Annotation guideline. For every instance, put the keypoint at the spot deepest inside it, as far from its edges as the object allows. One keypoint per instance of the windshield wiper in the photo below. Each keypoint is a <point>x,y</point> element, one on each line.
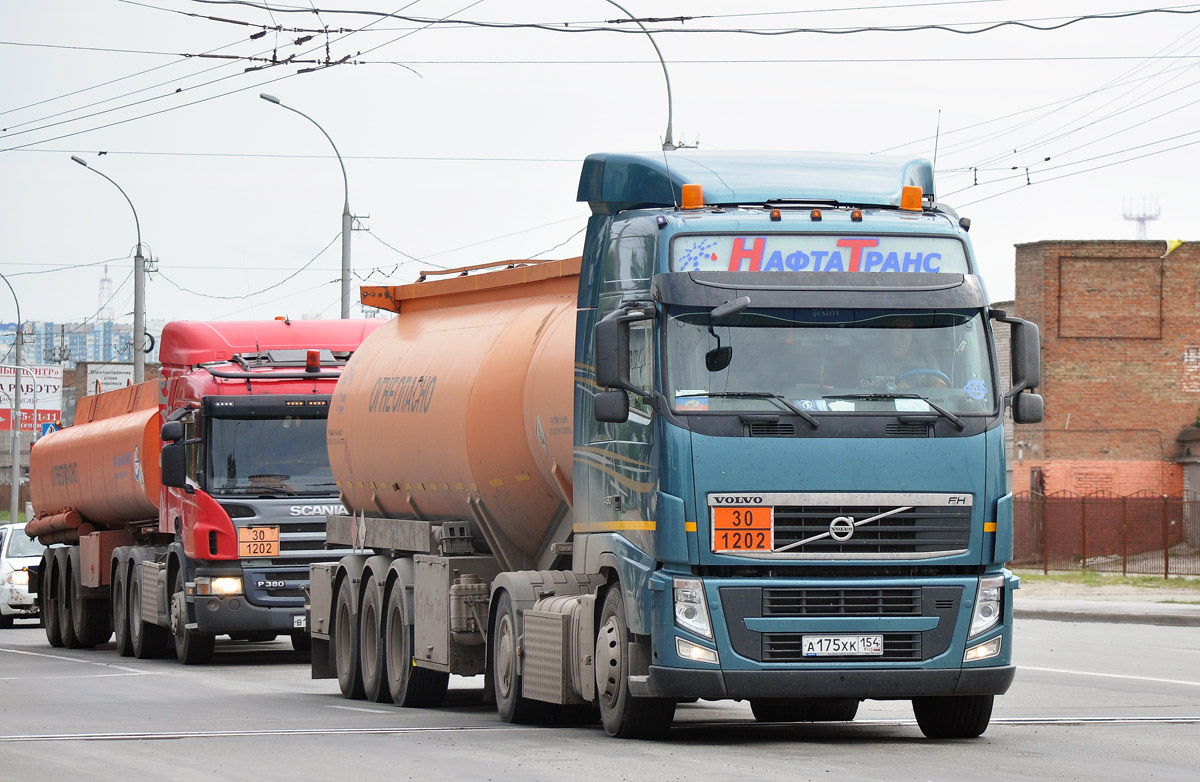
<point>874,395</point>
<point>812,421</point>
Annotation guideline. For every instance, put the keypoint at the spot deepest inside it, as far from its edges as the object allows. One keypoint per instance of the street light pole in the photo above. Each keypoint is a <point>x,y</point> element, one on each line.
<point>14,504</point>
<point>139,287</point>
<point>346,219</point>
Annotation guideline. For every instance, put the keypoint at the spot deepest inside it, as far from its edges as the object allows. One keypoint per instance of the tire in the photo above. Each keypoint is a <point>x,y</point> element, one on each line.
<point>345,643</point>
<point>49,600</point>
<point>953,716</point>
<point>119,599</point>
<point>302,641</point>
<point>802,710</point>
<point>506,682</point>
<point>371,658</point>
<point>408,685</point>
<point>6,621</point>
<point>623,715</point>
<point>90,618</point>
<point>148,641</point>
<point>191,647</point>
<point>66,600</point>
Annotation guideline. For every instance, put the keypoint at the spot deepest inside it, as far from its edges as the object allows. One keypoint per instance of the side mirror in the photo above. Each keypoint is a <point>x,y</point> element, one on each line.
<point>611,337</point>
<point>172,431</point>
<point>1028,408</point>
<point>611,407</point>
<point>172,463</point>
<point>1026,355</point>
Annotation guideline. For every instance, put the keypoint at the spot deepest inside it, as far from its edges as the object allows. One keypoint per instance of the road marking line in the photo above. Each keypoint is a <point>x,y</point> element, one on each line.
<point>356,708</point>
<point>73,660</point>
<point>216,734</point>
<point>1112,676</point>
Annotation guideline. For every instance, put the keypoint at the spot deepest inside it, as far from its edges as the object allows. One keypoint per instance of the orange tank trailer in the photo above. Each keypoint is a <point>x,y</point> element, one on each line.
<point>461,407</point>
<point>103,470</point>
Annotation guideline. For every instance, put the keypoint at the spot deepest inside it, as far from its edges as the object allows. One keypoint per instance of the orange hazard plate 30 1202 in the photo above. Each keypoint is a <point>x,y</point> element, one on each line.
<point>258,542</point>
<point>743,529</point>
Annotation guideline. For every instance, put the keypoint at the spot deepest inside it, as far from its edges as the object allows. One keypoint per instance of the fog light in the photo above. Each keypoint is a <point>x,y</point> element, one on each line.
<point>984,650</point>
<point>690,651</point>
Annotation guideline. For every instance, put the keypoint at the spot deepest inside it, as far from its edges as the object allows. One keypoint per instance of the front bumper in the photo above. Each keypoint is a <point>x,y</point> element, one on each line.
<point>16,601</point>
<point>220,614</point>
<point>663,682</point>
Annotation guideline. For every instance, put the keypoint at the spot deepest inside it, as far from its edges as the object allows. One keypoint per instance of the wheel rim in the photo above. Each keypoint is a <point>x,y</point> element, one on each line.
<point>343,634</point>
<point>135,626</point>
<point>397,643</point>
<point>370,631</point>
<point>119,612</point>
<point>608,661</point>
<point>505,657</point>
<point>178,621</point>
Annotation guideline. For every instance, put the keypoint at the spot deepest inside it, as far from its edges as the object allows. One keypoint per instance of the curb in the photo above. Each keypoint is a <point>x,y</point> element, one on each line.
<point>1163,614</point>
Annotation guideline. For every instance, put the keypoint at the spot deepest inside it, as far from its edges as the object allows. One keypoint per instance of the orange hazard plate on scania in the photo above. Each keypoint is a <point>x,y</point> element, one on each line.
<point>743,529</point>
<point>255,542</point>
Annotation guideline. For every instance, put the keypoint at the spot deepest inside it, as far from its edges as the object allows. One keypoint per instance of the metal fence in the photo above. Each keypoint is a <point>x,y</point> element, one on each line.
<point>1137,534</point>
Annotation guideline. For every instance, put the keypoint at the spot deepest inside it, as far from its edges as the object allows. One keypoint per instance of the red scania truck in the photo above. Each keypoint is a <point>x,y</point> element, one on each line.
<point>219,539</point>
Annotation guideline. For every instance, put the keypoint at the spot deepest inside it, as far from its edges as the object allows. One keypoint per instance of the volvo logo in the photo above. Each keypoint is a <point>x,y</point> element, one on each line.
<point>741,499</point>
<point>841,529</point>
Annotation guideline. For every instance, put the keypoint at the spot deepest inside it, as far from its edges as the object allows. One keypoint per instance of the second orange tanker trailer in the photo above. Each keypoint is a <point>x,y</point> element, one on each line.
<point>690,464</point>
<point>220,539</point>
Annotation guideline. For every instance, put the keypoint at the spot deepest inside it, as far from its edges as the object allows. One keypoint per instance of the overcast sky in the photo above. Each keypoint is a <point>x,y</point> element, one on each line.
<point>463,143</point>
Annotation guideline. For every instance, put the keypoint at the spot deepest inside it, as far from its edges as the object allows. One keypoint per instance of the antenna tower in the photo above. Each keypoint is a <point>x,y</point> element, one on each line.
<point>1141,214</point>
<point>104,312</point>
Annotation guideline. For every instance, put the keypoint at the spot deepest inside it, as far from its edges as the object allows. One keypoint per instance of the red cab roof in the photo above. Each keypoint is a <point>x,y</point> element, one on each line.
<point>188,343</point>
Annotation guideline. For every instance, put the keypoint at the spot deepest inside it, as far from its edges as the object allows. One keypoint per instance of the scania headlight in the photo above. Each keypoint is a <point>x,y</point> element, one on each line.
<point>691,608</point>
<point>221,585</point>
<point>989,605</point>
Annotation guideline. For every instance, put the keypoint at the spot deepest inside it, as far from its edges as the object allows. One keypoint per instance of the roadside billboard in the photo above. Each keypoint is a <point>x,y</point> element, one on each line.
<point>43,389</point>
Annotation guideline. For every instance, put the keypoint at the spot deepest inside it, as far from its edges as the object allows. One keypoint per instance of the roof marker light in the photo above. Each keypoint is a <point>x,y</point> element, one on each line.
<point>776,216</point>
<point>910,198</point>
<point>856,216</point>
<point>693,196</point>
<point>816,214</point>
<point>661,222</point>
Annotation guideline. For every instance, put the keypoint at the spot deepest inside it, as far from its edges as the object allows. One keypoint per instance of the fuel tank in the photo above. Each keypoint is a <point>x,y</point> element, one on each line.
<point>461,406</point>
<point>104,467</point>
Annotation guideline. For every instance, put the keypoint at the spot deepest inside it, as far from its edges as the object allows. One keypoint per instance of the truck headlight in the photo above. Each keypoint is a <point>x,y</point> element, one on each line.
<point>18,578</point>
<point>691,607</point>
<point>989,605</point>
<point>221,585</point>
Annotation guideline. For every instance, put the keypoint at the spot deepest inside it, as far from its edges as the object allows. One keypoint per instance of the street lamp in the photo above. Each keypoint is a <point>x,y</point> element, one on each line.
<point>139,286</point>
<point>345,205</point>
<point>15,498</point>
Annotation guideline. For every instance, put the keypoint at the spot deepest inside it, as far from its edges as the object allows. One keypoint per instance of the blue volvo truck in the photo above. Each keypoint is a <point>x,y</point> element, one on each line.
<point>787,436</point>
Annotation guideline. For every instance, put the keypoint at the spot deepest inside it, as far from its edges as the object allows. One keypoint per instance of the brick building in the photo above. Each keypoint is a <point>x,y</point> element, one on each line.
<point>1120,326</point>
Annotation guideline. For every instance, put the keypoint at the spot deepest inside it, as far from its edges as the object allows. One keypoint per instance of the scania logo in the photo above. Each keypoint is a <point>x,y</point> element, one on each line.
<point>738,499</point>
<point>318,510</point>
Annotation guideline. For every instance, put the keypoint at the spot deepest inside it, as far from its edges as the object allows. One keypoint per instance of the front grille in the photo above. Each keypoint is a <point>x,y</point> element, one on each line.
<point>917,530</point>
<point>841,602</point>
<point>787,648</point>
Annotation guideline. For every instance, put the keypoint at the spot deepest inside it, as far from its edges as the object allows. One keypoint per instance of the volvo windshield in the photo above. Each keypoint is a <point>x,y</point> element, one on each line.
<point>830,361</point>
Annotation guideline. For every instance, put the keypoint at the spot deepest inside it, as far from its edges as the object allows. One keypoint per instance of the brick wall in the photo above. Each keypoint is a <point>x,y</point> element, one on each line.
<point>1120,331</point>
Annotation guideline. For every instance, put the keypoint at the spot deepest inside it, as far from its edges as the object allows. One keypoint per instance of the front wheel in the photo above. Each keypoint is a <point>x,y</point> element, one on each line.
<point>624,715</point>
<point>953,716</point>
<point>301,641</point>
<point>191,647</point>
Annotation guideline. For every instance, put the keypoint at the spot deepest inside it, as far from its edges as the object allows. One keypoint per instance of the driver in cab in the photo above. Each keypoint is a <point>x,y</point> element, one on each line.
<point>898,362</point>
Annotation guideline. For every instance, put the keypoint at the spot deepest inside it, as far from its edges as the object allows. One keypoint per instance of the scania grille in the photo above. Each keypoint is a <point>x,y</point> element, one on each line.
<point>842,602</point>
<point>787,648</point>
<point>303,540</point>
<point>877,529</point>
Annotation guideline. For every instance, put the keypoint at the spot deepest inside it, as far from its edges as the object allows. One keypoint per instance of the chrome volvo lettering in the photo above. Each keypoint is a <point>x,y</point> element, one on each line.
<point>738,500</point>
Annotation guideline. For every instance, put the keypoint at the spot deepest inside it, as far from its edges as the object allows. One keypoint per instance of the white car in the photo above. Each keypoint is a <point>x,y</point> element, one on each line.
<point>17,553</point>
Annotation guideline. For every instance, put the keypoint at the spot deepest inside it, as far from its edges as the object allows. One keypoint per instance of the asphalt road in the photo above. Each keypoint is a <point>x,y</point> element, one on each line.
<point>1091,701</point>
